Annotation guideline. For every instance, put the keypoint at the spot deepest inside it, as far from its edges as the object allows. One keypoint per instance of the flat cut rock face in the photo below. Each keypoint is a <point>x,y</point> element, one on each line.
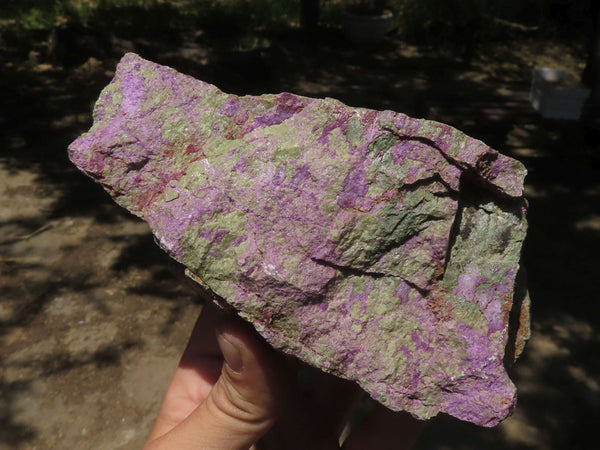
<point>377,247</point>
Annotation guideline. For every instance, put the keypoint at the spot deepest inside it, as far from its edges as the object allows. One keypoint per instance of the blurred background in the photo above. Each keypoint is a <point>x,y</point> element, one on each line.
<point>92,321</point>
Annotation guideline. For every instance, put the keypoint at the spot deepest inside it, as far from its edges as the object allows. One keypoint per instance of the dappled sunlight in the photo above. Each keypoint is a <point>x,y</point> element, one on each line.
<point>591,223</point>
<point>518,431</point>
<point>580,376</point>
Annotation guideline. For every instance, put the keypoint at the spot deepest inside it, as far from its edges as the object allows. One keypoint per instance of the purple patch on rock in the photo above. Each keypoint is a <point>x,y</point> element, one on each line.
<point>380,248</point>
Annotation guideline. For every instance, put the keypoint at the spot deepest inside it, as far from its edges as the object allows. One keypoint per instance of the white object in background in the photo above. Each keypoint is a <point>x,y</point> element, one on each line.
<point>556,94</point>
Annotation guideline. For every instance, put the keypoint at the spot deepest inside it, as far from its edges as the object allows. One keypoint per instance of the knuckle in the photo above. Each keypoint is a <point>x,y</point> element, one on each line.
<point>241,406</point>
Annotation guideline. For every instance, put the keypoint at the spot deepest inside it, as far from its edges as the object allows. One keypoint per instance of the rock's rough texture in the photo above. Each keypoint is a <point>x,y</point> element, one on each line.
<point>377,247</point>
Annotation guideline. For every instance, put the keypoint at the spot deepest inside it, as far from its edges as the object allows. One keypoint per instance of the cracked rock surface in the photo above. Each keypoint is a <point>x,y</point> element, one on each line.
<point>377,247</point>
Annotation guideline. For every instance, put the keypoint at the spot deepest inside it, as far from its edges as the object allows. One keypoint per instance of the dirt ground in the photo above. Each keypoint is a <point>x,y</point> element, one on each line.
<point>93,321</point>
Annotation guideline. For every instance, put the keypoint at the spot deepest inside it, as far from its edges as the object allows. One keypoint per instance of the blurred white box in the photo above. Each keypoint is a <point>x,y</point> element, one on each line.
<point>556,94</point>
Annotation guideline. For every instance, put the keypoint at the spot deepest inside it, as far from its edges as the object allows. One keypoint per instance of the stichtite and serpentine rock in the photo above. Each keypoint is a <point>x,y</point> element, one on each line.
<point>377,247</point>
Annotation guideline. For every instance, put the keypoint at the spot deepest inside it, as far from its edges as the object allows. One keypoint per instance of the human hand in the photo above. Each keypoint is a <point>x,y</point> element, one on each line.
<point>232,391</point>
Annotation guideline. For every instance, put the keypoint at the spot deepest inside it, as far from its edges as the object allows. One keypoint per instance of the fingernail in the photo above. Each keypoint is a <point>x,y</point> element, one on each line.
<point>231,352</point>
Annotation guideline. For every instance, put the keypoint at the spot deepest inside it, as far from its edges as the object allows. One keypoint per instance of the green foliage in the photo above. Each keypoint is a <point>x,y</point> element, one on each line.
<point>149,17</point>
<point>137,18</point>
<point>434,21</point>
<point>234,17</point>
<point>28,14</point>
<point>36,18</point>
<point>40,15</point>
<point>463,24</point>
<point>69,11</point>
<point>366,6</point>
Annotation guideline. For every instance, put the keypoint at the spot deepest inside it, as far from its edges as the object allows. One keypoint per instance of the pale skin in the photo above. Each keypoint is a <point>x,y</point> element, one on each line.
<point>232,391</point>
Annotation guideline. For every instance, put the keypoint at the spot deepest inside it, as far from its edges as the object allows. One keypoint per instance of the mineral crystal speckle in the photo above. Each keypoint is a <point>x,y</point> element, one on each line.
<point>378,247</point>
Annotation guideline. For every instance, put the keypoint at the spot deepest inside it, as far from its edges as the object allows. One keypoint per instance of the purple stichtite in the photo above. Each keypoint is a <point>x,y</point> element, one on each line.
<point>377,247</point>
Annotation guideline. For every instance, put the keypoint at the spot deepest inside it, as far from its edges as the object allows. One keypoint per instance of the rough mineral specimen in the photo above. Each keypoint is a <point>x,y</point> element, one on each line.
<point>378,247</point>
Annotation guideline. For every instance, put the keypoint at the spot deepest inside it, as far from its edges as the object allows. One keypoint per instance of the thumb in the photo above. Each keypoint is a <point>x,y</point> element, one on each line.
<point>244,402</point>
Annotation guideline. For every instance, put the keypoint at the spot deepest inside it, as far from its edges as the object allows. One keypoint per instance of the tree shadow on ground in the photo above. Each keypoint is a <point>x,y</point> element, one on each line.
<point>47,102</point>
